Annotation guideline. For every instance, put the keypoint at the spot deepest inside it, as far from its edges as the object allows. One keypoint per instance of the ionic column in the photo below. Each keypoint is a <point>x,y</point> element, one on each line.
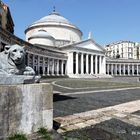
<point>103,65</point>
<point>48,67</point>
<point>100,64</point>
<point>70,63</point>
<point>87,68</point>
<point>57,68</point>
<point>137,69</point>
<point>132,69</point>
<point>95,64</point>
<point>115,69</point>
<point>128,69</point>
<point>91,71</point>
<point>52,67</point>
<point>62,67</point>
<point>43,66</point>
<point>77,61</point>
<point>123,69</point>
<point>38,65</point>
<point>82,63</point>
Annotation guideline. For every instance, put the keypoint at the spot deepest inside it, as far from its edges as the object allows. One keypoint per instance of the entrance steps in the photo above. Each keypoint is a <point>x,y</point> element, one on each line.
<point>89,76</point>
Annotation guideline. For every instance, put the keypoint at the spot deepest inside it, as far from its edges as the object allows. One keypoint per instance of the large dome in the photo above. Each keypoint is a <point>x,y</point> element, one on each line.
<point>61,29</point>
<point>53,17</point>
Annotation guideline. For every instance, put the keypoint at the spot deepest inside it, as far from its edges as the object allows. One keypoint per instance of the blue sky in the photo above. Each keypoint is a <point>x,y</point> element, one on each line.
<point>108,20</point>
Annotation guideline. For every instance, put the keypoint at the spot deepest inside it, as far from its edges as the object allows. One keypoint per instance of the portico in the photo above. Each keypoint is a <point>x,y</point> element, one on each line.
<point>83,61</point>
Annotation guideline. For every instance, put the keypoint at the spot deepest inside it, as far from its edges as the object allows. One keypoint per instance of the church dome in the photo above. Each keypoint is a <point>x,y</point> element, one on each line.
<point>53,17</point>
<point>41,37</point>
<point>58,27</point>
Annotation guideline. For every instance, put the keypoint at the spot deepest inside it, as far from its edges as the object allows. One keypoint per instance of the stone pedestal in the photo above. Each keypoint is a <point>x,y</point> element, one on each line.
<point>25,108</point>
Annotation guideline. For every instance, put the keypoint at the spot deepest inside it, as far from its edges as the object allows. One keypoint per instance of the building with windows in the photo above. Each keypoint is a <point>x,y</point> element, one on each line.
<point>123,58</point>
<point>123,50</point>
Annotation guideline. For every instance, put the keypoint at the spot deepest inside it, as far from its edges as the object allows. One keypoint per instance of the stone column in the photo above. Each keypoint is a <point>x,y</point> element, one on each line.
<point>70,64</point>
<point>38,65</point>
<point>115,69</point>
<point>132,69</point>
<point>128,69</point>
<point>57,68</point>
<point>107,68</point>
<point>91,64</point>
<point>48,66</point>
<point>82,63</point>
<point>103,65</point>
<point>87,68</point>
<point>123,69</point>
<point>96,64</point>
<point>100,64</point>
<point>52,66</point>
<point>43,66</point>
<point>77,63</point>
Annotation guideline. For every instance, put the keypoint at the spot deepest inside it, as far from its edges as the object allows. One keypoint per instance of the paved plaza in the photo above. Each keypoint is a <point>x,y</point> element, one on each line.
<point>98,106</point>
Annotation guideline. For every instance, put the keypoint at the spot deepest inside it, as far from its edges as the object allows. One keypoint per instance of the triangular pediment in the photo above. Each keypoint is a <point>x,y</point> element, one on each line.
<point>90,44</point>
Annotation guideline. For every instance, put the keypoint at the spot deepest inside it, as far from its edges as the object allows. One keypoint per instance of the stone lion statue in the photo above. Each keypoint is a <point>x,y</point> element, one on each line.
<point>13,69</point>
<point>12,61</point>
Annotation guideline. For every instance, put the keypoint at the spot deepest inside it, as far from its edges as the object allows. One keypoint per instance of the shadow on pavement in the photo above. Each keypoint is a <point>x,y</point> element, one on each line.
<point>113,129</point>
<point>57,97</point>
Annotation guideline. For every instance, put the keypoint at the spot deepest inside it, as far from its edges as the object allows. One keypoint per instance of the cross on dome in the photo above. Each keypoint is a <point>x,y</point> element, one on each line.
<point>54,9</point>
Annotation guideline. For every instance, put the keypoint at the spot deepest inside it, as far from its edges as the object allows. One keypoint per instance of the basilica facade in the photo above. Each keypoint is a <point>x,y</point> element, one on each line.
<point>58,49</point>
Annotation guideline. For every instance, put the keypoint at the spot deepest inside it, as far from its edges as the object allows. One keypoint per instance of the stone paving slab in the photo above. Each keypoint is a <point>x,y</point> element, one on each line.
<point>85,119</point>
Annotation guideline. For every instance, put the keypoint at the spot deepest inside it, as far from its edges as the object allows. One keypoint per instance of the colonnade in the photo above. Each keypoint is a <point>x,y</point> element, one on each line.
<point>47,65</point>
<point>123,69</point>
<point>83,63</point>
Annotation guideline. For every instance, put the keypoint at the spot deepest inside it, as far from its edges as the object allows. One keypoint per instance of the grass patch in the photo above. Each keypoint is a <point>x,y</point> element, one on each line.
<point>17,137</point>
<point>44,134</point>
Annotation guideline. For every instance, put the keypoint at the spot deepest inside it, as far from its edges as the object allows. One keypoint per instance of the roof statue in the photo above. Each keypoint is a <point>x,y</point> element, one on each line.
<point>13,69</point>
<point>90,35</point>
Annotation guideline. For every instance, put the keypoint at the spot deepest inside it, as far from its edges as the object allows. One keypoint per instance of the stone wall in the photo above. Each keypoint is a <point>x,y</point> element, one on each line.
<point>25,108</point>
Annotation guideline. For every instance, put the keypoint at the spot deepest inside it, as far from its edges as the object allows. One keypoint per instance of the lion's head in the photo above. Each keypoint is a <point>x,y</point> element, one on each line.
<point>17,54</point>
